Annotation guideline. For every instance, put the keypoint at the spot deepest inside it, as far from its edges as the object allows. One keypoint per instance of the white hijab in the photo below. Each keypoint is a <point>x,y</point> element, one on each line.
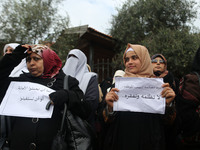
<point>76,66</point>
<point>19,68</point>
<point>12,45</point>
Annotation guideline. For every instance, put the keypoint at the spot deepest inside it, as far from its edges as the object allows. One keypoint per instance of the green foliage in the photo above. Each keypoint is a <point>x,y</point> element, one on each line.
<point>28,21</point>
<point>161,26</point>
<point>177,46</point>
<point>64,44</point>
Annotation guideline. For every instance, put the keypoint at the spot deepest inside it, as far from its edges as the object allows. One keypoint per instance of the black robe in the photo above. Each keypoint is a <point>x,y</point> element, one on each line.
<point>25,132</point>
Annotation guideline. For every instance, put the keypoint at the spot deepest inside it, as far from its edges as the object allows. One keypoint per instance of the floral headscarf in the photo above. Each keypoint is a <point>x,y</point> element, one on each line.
<point>52,63</point>
<point>146,69</point>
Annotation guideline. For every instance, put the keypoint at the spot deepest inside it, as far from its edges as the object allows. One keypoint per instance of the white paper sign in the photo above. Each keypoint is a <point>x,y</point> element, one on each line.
<point>139,95</point>
<point>26,99</point>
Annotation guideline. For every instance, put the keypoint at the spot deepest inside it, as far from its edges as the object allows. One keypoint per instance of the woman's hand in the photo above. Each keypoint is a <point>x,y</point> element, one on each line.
<point>111,97</point>
<point>168,93</point>
<point>28,47</point>
<point>22,50</point>
<point>59,97</point>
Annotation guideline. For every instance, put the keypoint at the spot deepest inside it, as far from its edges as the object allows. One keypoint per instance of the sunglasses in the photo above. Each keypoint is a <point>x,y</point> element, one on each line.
<point>156,61</point>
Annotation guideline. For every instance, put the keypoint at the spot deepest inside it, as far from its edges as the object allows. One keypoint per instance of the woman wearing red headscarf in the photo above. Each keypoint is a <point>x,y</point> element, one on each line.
<point>44,68</point>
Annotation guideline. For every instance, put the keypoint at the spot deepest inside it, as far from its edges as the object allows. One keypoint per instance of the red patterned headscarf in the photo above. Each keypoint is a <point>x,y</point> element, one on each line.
<point>52,63</point>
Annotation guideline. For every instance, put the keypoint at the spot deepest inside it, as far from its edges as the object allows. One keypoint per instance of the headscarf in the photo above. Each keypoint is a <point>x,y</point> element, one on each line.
<point>146,69</point>
<point>76,66</point>
<point>196,61</point>
<point>165,72</point>
<point>118,73</point>
<point>19,68</point>
<point>12,45</point>
<point>52,63</point>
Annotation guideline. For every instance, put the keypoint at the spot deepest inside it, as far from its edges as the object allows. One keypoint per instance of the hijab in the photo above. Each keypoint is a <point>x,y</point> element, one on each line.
<point>19,68</point>
<point>76,66</point>
<point>12,45</point>
<point>146,69</point>
<point>165,72</point>
<point>118,73</point>
<point>52,63</point>
<point>196,61</point>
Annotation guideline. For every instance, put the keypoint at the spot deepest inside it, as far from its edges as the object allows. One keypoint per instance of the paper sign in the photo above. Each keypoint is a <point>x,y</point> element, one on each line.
<point>26,99</point>
<point>139,95</point>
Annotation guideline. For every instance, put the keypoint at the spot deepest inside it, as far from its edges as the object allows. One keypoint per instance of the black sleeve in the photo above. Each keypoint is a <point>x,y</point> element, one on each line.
<point>74,98</point>
<point>92,93</point>
<point>75,102</point>
<point>7,64</point>
<point>91,98</point>
<point>188,117</point>
<point>10,61</point>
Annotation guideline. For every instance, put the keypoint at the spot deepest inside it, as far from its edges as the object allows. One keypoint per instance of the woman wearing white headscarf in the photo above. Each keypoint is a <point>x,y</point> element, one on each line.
<point>76,66</point>
<point>8,49</point>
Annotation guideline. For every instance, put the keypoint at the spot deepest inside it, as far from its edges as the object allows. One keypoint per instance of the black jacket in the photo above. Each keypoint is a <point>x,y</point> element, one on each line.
<point>35,132</point>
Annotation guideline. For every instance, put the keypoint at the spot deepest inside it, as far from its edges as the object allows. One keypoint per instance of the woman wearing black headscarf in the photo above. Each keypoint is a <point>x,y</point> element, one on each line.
<point>188,104</point>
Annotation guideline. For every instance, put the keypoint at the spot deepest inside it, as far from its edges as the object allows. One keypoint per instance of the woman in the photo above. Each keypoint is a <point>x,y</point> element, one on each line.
<point>44,68</point>
<point>135,130</point>
<point>159,63</point>
<point>76,66</point>
<point>188,107</point>
<point>8,49</point>
<point>118,73</point>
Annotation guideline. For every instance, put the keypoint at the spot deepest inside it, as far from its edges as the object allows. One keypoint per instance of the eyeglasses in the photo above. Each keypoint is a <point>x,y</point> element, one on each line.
<point>156,61</point>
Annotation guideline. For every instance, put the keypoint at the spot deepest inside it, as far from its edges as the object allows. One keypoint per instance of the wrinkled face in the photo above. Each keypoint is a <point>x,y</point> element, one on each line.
<point>158,64</point>
<point>35,64</point>
<point>9,50</point>
<point>132,62</point>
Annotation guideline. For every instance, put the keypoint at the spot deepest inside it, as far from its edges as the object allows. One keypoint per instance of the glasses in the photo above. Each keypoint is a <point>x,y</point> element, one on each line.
<point>156,61</point>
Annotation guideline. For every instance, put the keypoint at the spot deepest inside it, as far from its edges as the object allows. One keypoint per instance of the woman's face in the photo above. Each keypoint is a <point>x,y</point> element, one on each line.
<point>35,64</point>
<point>9,50</point>
<point>132,62</point>
<point>158,64</point>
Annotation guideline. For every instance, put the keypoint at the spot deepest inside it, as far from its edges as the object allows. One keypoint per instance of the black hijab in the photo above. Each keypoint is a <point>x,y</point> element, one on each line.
<point>196,61</point>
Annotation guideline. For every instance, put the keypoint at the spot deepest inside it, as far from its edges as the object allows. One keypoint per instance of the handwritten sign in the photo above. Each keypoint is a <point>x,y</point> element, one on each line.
<point>26,99</point>
<point>140,95</point>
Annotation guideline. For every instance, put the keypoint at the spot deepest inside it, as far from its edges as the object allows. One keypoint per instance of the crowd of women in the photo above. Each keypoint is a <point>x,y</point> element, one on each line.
<point>178,128</point>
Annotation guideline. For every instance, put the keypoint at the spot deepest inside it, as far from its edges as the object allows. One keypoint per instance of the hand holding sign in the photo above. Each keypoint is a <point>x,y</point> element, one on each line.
<point>26,99</point>
<point>140,95</point>
<point>168,93</point>
<point>111,97</point>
